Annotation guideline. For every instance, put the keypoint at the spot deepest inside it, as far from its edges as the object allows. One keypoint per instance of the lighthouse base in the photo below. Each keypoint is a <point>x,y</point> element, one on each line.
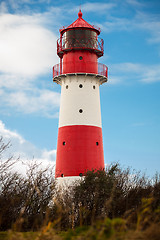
<point>80,148</point>
<point>64,182</point>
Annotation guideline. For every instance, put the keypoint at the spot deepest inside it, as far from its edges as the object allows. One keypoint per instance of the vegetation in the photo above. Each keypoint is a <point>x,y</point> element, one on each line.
<point>107,204</point>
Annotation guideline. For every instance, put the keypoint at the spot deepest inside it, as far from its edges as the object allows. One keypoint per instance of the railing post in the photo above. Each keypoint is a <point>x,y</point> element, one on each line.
<point>61,42</point>
<point>57,47</point>
<point>53,72</point>
<point>102,46</point>
<point>60,66</point>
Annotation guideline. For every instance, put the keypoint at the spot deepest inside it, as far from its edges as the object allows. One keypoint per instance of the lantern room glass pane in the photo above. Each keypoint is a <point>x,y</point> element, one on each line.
<point>80,38</point>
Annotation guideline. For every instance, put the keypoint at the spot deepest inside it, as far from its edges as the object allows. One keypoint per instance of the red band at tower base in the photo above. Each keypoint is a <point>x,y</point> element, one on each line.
<point>79,149</point>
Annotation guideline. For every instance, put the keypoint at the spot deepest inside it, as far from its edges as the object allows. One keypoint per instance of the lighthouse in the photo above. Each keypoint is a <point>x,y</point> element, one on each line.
<point>80,142</point>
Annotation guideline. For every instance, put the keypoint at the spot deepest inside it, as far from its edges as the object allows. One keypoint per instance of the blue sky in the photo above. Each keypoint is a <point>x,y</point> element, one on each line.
<point>130,101</point>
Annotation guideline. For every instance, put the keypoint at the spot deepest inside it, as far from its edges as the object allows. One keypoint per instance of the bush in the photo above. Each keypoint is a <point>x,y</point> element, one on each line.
<point>104,203</point>
<point>24,201</point>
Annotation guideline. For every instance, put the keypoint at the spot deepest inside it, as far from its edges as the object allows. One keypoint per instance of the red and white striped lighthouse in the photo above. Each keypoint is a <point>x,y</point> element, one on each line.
<point>80,143</point>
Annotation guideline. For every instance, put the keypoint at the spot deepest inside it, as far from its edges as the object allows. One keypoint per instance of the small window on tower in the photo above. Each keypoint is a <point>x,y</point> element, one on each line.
<point>97,143</point>
<point>62,175</point>
<point>80,110</point>
<point>94,87</point>
<point>66,86</point>
<point>64,143</point>
<point>81,174</point>
<point>80,58</point>
<point>80,85</point>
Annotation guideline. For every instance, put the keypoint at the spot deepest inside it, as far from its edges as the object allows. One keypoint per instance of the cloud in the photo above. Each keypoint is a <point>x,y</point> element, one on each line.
<point>138,21</point>
<point>135,3</point>
<point>43,103</point>
<point>150,23</point>
<point>3,7</point>
<point>26,48</point>
<point>113,80</point>
<point>49,155</point>
<point>138,124</point>
<point>117,24</point>
<point>25,150</point>
<point>97,7</point>
<point>39,101</point>
<point>27,52</point>
<point>152,74</point>
<point>94,7</point>
<point>7,134</point>
<point>125,72</point>
<point>13,82</point>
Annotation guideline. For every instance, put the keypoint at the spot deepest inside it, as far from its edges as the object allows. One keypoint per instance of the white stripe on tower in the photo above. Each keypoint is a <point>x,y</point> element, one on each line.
<point>80,101</point>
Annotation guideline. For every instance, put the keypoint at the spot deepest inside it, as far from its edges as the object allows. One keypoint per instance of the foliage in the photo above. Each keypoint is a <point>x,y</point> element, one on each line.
<point>24,201</point>
<point>106,204</point>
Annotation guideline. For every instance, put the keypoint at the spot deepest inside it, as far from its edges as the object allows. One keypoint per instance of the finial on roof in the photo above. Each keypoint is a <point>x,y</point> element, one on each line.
<point>80,14</point>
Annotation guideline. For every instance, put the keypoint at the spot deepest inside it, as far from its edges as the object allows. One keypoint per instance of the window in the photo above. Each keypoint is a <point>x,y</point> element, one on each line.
<point>64,143</point>
<point>94,87</point>
<point>80,110</point>
<point>80,58</point>
<point>66,86</point>
<point>62,175</point>
<point>80,85</point>
<point>97,143</point>
<point>81,174</point>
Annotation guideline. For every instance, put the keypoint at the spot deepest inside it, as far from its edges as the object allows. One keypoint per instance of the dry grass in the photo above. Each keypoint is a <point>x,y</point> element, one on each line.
<point>100,231</point>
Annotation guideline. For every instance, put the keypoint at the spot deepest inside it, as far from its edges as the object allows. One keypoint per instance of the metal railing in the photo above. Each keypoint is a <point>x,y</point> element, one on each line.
<point>56,70</point>
<point>102,70</point>
<point>91,43</point>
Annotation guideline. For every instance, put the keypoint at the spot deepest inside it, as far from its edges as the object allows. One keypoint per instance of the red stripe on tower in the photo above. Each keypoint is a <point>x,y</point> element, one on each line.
<point>80,143</point>
<point>81,149</point>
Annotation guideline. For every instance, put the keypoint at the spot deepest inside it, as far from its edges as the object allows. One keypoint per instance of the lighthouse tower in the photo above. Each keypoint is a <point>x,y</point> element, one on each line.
<point>80,143</point>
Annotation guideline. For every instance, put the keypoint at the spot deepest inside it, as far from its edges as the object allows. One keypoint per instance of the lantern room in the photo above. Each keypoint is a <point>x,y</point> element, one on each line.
<point>79,47</point>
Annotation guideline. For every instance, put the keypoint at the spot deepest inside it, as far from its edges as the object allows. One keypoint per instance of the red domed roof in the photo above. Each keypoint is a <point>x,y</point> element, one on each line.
<point>80,23</point>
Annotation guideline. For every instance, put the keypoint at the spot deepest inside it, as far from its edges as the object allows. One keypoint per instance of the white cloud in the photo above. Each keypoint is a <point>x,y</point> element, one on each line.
<point>127,67</point>
<point>148,22</point>
<point>49,155</point>
<point>135,3</point>
<point>113,24</point>
<point>26,48</point>
<point>21,96</point>
<point>7,134</point>
<point>37,101</point>
<point>140,21</point>
<point>27,51</point>
<point>151,74</point>
<point>94,7</point>
<point>13,82</point>
<point>113,80</point>
<point>97,7</point>
<point>3,7</point>
<point>138,124</point>
<point>25,150</point>
<point>126,72</point>
<point>17,4</point>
